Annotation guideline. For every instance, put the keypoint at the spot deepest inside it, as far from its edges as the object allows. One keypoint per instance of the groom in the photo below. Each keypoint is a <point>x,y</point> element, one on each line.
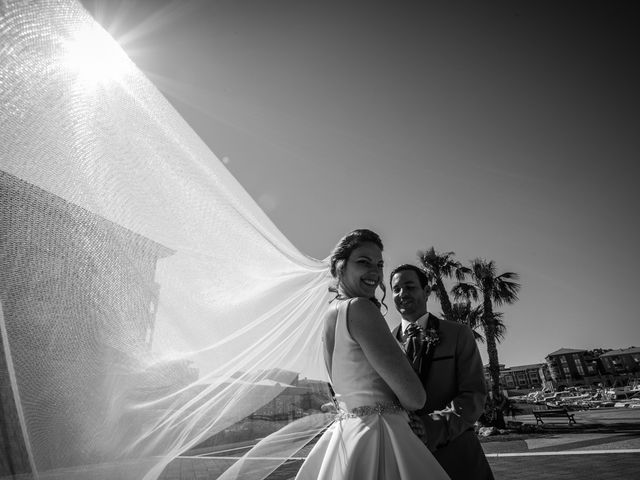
<point>446,357</point>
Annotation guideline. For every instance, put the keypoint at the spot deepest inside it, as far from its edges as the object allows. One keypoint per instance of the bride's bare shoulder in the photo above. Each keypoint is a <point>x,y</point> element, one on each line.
<point>330,317</point>
<point>362,310</point>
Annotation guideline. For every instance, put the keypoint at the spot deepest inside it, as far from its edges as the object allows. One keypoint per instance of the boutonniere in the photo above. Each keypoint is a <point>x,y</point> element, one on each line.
<point>432,337</point>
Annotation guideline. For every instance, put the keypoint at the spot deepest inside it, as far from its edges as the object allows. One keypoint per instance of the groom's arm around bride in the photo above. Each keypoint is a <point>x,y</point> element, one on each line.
<point>450,367</point>
<point>456,384</point>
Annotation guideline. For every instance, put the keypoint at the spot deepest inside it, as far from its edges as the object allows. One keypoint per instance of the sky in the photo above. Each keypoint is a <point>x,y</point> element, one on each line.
<point>507,131</point>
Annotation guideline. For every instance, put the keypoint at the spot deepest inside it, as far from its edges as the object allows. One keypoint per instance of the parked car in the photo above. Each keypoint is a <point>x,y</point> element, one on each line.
<point>632,402</point>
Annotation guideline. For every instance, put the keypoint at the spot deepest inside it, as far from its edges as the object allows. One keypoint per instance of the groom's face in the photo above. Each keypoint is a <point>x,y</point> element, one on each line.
<point>409,297</point>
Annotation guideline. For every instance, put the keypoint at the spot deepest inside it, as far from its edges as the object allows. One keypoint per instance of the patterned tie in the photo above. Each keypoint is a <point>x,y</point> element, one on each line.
<point>413,341</point>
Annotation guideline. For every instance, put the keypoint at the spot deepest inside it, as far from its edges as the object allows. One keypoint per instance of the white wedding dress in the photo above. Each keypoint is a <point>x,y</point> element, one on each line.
<point>371,438</point>
<point>148,306</point>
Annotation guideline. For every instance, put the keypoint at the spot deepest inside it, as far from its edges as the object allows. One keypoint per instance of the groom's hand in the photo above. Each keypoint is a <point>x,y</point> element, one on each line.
<point>436,429</point>
<point>415,422</point>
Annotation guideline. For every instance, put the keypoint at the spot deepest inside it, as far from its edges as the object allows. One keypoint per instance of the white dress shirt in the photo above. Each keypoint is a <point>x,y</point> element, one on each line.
<point>421,322</point>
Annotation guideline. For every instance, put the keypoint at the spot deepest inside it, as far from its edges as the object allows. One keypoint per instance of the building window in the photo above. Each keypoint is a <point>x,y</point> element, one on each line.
<point>567,371</point>
<point>563,360</point>
<point>580,369</point>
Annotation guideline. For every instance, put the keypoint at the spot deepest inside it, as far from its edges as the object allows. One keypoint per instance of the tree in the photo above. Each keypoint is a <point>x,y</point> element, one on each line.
<point>438,267</point>
<point>463,312</point>
<point>490,288</point>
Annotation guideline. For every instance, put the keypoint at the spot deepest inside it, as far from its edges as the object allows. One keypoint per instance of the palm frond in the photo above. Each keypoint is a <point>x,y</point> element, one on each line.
<point>439,264</point>
<point>499,327</point>
<point>505,291</point>
<point>465,291</point>
<point>463,312</point>
<point>462,272</point>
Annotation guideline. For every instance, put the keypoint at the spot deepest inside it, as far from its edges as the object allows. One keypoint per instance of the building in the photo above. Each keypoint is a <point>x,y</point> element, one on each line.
<point>545,377</point>
<point>278,398</point>
<point>570,367</point>
<point>517,377</point>
<point>79,285</point>
<point>526,376</point>
<point>621,367</point>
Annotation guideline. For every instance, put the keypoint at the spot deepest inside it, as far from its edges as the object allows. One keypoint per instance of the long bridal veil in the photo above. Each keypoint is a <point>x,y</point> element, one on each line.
<point>148,308</point>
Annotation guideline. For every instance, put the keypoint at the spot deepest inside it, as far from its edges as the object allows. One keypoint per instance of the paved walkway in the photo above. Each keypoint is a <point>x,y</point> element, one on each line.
<point>604,445</point>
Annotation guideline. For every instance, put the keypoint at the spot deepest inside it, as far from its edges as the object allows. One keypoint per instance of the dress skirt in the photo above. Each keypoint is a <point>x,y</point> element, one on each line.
<point>371,447</point>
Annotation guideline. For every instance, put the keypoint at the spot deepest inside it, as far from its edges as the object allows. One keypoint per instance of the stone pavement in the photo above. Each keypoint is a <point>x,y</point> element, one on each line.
<point>604,445</point>
<point>612,466</point>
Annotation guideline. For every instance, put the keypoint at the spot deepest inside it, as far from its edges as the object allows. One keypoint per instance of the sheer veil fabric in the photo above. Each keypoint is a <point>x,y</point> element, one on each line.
<point>148,307</point>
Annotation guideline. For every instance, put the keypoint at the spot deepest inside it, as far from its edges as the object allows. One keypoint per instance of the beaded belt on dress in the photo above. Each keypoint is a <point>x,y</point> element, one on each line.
<point>377,409</point>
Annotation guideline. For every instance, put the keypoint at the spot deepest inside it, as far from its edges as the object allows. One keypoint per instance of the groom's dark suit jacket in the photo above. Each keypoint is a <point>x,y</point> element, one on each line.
<point>454,380</point>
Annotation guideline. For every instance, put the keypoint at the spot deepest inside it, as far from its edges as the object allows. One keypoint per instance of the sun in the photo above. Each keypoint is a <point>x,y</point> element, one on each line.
<point>94,57</point>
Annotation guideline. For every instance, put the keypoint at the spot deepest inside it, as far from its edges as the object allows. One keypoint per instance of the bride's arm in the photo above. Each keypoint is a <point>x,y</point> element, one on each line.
<point>369,328</point>
<point>328,339</point>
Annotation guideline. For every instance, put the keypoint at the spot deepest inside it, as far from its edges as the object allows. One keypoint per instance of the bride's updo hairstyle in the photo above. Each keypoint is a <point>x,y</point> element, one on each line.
<point>341,253</point>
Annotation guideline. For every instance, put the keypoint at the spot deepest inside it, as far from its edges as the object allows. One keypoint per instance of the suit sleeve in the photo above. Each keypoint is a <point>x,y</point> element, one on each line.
<point>469,402</point>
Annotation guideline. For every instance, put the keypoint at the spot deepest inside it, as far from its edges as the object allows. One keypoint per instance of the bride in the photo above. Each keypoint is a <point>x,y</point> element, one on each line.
<point>373,382</point>
<point>153,319</point>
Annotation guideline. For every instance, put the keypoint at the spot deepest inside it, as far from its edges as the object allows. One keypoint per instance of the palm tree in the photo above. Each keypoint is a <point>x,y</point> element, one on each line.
<point>439,266</point>
<point>463,312</point>
<point>492,289</point>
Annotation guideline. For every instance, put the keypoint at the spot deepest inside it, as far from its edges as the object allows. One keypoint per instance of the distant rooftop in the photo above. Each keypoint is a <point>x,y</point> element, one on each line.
<point>504,368</point>
<point>526,367</point>
<point>621,351</point>
<point>564,351</point>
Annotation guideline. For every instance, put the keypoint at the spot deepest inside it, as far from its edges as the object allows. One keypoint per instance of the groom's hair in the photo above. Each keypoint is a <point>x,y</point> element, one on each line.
<point>422,277</point>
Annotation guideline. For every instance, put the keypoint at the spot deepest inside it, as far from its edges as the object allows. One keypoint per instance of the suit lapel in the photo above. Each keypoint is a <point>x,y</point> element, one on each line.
<point>428,349</point>
<point>397,333</point>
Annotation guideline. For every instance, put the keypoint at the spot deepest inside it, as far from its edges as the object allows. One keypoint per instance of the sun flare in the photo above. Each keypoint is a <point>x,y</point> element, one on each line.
<point>94,57</point>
